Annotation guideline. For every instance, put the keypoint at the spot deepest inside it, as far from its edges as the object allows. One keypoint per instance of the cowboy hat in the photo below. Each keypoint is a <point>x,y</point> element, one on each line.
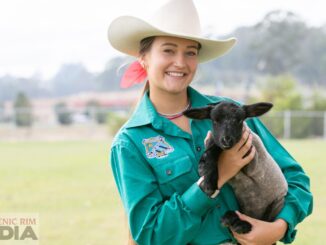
<point>177,18</point>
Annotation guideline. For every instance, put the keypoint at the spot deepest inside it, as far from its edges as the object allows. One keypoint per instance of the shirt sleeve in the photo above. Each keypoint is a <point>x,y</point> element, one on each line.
<point>152,219</point>
<point>299,200</point>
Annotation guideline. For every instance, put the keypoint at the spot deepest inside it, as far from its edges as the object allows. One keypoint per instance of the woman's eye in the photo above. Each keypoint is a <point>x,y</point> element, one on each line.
<point>168,51</point>
<point>191,53</point>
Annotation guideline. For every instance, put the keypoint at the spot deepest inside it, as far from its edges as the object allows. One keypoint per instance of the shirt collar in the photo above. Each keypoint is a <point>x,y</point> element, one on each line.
<point>146,113</point>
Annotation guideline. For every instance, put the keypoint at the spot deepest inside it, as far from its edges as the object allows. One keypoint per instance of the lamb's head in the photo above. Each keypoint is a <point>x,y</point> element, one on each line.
<point>227,119</point>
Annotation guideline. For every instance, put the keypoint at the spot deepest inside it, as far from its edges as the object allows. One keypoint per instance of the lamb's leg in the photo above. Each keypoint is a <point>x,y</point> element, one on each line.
<point>208,167</point>
<point>231,220</point>
<point>273,209</point>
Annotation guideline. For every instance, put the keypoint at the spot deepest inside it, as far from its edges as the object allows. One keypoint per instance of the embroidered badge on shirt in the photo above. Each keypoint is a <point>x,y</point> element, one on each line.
<point>157,147</point>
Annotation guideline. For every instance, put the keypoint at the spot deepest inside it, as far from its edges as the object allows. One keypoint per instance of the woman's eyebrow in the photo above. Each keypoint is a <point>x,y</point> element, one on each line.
<point>173,44</point>
<point>169,44</point>
<point>193,46</point>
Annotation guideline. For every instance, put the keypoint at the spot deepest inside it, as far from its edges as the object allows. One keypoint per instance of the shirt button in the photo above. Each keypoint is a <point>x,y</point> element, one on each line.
<point>198,148</point>
<point>168,172</point>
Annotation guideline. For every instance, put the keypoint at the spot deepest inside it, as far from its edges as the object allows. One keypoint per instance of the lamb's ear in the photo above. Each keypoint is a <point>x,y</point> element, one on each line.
<point>198,113</point>
<point>214,104</point>
<point>257,109</point>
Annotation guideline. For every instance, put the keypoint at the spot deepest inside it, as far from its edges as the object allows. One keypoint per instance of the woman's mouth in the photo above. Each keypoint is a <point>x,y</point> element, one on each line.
<point>175,74</point>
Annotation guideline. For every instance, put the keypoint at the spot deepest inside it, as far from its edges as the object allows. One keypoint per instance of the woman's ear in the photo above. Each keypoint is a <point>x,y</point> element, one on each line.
<point>141,61</point>
<point>199,113</point>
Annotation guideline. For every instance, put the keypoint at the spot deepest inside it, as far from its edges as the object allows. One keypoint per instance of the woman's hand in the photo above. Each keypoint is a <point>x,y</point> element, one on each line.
<point>262,233</point>
<point>232,160</point>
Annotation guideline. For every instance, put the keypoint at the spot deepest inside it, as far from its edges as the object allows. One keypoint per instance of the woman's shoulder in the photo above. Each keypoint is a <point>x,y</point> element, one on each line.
<point>129,136</point>
<point>120,137</point>
<point>126,131</point>
<point>124,136</point>
<point>214,99</point>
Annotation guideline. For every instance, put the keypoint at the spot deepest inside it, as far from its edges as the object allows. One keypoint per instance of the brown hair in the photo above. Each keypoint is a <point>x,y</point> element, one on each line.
<point>144,46</point>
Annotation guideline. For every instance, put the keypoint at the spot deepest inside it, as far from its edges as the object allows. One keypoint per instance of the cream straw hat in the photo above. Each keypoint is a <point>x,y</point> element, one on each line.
<point>177,18</point>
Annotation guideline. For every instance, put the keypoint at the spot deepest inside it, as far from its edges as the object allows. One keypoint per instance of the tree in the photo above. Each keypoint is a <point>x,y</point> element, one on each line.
<point>72,78</point>
<point>96,111</point>
<point>313,57</point>
<point>23,111</point>
<point>318,101</point>
<point>278,39</point>
<point>282,92</point>
<point>63,113</point>
<point>2,113</point>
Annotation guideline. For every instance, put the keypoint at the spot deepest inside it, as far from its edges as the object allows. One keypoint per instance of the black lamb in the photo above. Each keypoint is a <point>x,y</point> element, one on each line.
<point>260,186</point>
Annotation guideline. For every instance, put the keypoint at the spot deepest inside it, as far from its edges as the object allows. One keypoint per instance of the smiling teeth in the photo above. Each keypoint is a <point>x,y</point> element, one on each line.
<point>175,74</point>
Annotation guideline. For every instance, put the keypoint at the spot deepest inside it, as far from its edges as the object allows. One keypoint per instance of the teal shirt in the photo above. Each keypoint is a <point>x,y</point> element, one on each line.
<point>155,163</point>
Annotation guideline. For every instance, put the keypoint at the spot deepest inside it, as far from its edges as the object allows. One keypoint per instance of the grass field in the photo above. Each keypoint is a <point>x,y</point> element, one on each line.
<point>70,186</point>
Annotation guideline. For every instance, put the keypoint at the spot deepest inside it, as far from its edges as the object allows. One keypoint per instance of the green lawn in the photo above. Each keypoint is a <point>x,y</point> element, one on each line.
<point>70,186</point>
<point>312,156</point>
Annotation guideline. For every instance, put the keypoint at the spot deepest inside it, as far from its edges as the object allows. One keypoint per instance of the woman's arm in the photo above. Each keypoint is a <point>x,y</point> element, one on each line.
<point>152,219</point>
<point>262,233</point>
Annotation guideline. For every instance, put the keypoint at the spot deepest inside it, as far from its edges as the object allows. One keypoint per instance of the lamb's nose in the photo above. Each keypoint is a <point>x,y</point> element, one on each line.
<point>226,141</point>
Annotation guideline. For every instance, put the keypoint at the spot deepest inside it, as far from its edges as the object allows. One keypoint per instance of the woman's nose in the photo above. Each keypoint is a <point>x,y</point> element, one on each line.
<point>180,61</point>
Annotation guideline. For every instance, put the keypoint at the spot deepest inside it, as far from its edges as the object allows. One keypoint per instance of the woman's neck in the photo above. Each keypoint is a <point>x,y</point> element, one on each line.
<point>168,103</point>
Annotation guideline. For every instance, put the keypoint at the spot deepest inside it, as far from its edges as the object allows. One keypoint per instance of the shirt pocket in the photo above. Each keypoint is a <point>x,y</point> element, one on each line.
<point>174,169</point>
<point>175,175</point>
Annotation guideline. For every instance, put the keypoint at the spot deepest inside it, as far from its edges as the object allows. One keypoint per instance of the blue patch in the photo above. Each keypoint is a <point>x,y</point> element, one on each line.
<point>157,147</point>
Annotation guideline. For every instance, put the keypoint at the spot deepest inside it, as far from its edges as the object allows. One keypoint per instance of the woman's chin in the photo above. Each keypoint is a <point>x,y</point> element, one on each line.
<point>176,86</point>
<point>176,89</point>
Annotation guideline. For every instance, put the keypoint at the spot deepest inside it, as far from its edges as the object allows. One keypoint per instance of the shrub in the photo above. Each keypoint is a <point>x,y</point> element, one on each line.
<point>63,113</point>
<point>23,111</point>
<point>115,121</point>
<point>96,111</point>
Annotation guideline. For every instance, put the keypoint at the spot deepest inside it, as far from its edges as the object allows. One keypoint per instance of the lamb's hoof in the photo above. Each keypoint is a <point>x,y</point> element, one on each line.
<point>242,227</point>
<point>208,186</point>
<point>231,220</point>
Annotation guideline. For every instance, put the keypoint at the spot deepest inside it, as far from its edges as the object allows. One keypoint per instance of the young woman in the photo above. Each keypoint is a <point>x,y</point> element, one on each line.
<point>155,155</point>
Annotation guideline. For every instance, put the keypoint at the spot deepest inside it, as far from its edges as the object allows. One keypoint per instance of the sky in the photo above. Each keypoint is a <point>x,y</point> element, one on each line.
<point>38,36</point>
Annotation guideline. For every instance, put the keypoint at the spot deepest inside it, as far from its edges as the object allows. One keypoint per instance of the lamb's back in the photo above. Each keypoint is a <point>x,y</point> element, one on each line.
<point>260,186</point>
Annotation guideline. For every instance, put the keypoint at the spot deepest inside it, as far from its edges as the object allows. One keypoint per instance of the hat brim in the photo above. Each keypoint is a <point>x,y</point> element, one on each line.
<point>126,32</point>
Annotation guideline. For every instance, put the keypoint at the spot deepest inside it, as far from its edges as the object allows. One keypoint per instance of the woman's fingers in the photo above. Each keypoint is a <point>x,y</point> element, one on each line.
<point>239,238</point>
<point>244,217</point>
<point>246,147</point>
<point>244,138</point>
<point>247,150</point>
<point>209,134</point>
<point>251,155</point>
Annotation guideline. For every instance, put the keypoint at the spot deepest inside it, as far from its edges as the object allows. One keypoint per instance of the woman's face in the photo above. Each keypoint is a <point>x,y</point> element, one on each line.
<point>171,63</point>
